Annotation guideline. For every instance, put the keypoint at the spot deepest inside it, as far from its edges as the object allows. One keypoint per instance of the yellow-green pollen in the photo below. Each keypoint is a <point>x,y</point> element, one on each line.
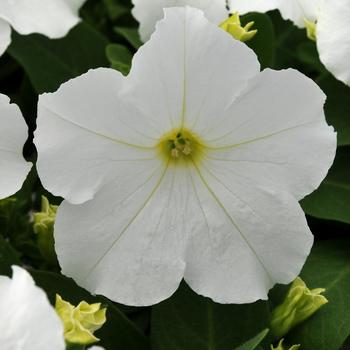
<point>179,145</point>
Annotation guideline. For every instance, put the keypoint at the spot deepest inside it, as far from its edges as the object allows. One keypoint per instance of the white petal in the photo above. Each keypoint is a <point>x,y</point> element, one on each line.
<point>149,12</point>
<point>282,139</point>
<point>75,5</point>
<point>333,38</point>
<point>254,238</point>
<point>133,235</point>
<point>299,10</point>
<point>194,75</point>
<point>86,135</point>
<point>53,18</point>
<point>96,348</point>
<point>13,134</point>
<point>27,320</point>
<point>295,10</point>
<point>5,36</point>
<point>245,6</point>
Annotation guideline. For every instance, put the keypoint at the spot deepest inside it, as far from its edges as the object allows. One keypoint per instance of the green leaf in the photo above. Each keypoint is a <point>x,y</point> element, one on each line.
<point>8,257</point>
<point>253,343</point>
<point>337,107</point>
<point>263,43</point>
<point>327,267</point>
<point>49,63</point>
<point>117,333</point>
<point>131,35</point>
<point>119,57</point>
<point>307,53</point>
<point>189,321</point>
<point>75,347</point>
<point>114,9</point>
<point>332,199</point>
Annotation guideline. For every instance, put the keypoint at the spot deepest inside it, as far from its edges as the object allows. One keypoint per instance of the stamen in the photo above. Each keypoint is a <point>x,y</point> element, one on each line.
<point>180,145</point>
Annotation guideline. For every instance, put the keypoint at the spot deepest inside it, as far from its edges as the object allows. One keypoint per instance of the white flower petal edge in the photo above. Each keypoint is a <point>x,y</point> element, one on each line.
<point>300,10</point>
<point>227,219</point>
<point>96,348</point>
<point>27,320</point>
<point>149,12</point>
<point>245,6</point>
<point>13,134</point>
<point>53,18</point>
<point>333,38</point>
<point>273,153</point>
<point>5,36</point>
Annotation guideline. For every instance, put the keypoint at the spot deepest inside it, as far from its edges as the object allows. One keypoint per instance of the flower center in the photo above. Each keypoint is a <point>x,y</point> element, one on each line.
<point>180,145</point>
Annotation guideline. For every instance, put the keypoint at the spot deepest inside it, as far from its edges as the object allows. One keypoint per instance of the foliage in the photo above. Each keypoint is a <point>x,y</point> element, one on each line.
<point>108,36</point>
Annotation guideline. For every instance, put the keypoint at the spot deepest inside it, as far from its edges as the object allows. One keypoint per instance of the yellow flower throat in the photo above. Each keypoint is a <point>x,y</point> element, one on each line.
<point>180,145</point>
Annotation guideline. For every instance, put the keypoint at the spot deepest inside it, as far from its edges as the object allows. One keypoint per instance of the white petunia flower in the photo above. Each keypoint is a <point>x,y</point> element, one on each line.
<point>13,134</point>
<point>149,12</point>
<point>27,320</point>
<point>327,22</point>
<point>53,18</point>
<point>245,6</point>
<point>191,167</point>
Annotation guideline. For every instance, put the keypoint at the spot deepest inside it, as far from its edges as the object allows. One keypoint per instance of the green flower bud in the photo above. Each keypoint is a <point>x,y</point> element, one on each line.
<point>310,29</point>
<point>80,322</point>
<point>281,347</point>
<point>233,26</point>
<point>43,226</point>
<point>299,304</point>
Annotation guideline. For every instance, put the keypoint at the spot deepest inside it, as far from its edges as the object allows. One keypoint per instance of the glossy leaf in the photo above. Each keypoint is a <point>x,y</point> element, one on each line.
<point>337,107</point>
<point>263,42</point>
<point>253,343</point>
<point>332,199</point>
<point>49,63</point>
<point>120,57</point>
<point>327,267</point>
<point>189,321</point>
<point>130,34</point>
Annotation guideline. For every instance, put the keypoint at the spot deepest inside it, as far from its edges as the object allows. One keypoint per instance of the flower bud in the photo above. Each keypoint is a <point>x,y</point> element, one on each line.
<point>310,29</point>
<point>43,226</point>
<point>80,322</point>
<point>281,347</point>
<point>233,26</point>
<point>299,304</point>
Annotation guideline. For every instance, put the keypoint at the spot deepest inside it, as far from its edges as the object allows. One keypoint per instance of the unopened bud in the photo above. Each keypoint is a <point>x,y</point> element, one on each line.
<point>233,26</point>
<point>43,226</point>
<point>299,304</point>
<point>80,322</point>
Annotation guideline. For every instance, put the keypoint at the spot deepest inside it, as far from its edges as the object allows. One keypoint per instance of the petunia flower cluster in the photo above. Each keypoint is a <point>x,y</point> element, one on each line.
<point>197,178</point>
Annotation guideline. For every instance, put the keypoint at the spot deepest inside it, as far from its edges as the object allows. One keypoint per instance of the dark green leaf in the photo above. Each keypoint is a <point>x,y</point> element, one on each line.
<point>337,107</point>
<point>130,34</point>
<point>307,53</point>
<point>254,342</point>
<point>264,41</point>
<point>49,63</point>
<point>8,257</point>
<point>119,57</point>
<point>332,199</point>
<point>117,333</point>
<point>189,321</point>
<point>114,9</point>
<point>327,267</point>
